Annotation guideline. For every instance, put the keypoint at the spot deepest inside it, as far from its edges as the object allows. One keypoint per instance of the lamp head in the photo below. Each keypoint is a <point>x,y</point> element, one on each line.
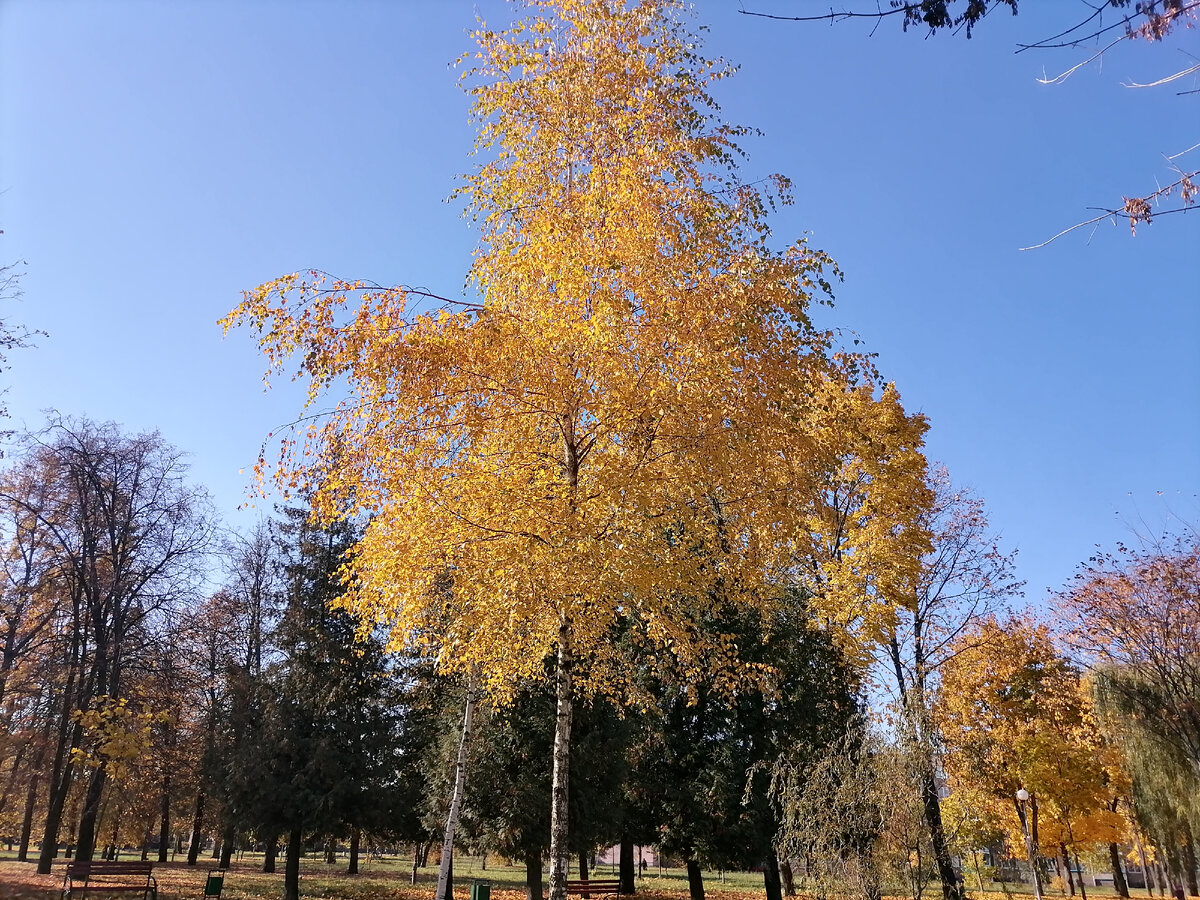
<point>1023,795</point>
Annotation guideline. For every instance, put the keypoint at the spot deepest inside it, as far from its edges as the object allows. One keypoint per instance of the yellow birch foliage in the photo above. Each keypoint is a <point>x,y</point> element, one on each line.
<point>120,736</point>
<point>635,418</point>
<point>1015,713</point>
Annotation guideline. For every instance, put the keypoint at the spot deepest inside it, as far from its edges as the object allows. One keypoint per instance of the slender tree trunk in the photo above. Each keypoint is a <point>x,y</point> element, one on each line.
<point>1029,826</point>
<point>978,871</point>
<point>583,869</point>
<point>695,880</point>
<point>1187,850</point>
<point>27,821</point>
<point>444,891</point>
<point>952,886</point>
<point>559,852</point>
<point>628,884</point>
<point>416,862</point>
<point>105,676</point>
<point>71,833</point>
<point>291,867</point>
<point>227,839</point>
<point>1137,841</point>
<point>86,845</point>
<point>60,785</point>
<point>787,877</point>
<point>1175,867</point>
<point>355,838</point>
<point>1120,885</point>
<point>164,819</point>
<point>197,822</point>
<point>771,879</point>
<point>330,853</point>
<point>272,851</point>
<point>1066,864</point>
<point>533,875</point>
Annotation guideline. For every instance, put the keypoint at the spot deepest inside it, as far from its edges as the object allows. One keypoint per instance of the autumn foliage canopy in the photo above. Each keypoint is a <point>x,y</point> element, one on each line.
<point>634,417</point>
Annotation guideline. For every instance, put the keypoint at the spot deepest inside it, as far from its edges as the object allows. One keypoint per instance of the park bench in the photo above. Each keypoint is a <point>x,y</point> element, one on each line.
<point>110,878</point>
<point>588,886</point>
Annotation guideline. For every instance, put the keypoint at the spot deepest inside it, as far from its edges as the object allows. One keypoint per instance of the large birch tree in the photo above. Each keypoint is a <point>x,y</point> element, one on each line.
<point>631,417</point>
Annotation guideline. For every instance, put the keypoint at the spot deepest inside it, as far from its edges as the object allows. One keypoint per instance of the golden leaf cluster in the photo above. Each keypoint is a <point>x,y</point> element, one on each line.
<point>1016,714</point>
<point>636,422</point>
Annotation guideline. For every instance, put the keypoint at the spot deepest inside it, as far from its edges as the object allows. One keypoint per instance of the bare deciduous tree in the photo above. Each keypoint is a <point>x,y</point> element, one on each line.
<point>127,534</point>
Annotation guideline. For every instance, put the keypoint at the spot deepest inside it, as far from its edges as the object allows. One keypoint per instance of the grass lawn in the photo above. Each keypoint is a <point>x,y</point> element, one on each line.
<point>388,879</point>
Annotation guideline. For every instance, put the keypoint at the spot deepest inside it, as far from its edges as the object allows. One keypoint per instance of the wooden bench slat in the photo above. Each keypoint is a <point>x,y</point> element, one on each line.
<point>108,887</point>
<point>97,877</point>
<point>594,886</point>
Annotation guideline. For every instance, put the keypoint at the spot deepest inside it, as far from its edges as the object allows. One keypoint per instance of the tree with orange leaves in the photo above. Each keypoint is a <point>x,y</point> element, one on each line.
<point>1015,713</point>
<point>634,420</point>
<point>1137,616</point>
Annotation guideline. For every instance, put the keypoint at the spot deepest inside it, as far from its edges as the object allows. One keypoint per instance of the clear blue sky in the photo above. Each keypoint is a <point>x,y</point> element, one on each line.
<point>158,158</point>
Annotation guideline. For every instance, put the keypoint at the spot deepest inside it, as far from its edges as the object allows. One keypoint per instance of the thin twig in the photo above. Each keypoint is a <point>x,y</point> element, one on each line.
<point>1167,80</point>
<point>1104,215</point>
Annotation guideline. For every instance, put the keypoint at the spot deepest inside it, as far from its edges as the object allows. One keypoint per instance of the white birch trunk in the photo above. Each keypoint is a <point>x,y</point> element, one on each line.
<point>559,854</point>
<point>460,783</point>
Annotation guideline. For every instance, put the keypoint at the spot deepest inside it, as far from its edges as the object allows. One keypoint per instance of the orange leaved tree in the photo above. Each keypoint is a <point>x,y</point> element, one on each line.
<point>1015,713</point>
<point>632,421</point>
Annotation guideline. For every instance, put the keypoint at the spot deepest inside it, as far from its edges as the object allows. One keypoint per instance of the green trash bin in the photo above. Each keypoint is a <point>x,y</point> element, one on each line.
<point>481,889</point>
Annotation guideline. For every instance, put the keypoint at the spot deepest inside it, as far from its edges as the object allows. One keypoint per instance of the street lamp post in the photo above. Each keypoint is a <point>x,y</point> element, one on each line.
<point>1022,799</point>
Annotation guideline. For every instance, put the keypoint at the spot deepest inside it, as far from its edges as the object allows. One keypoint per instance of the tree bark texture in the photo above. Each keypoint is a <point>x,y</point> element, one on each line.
<point>533,875</point>
<point>559,850</point>
<point>86,845</point>
<point>272,851</point>
<point>27,821</point>
<point>1120,885</point>
<point>787,877</point>
<point>164,820</point>
<point>444,889</point>
<point>695,880</point>
<point>952,886</point>
<point>291,867</point>
<point>628,871</point>
<point>1066,864</point>
<point>771,879</point>
<point>355,841</point>
<point>69,736</point>
<point>197,822</point>
<point>227,840</point>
